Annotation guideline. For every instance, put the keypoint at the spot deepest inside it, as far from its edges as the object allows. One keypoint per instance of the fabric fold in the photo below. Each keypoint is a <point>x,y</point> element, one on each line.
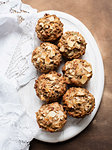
<point>17,31</point>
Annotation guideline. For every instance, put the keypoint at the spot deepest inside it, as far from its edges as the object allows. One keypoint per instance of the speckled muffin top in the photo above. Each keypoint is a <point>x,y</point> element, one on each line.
<point>77,72</point>
<point>72,45</point>
<point>50,87</point>
<point>46,57</point>
<point>51,117</point>
<point>49,28</point>
<point>78,102</point>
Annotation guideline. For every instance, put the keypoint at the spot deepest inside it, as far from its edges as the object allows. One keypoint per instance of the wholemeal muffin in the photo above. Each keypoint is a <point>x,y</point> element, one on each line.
<point>72,45</point>
<point>49,28</point>
<point>77,72</point>
<point>50,87</point>
<point>46,57</point>
<point>51,117</point>
<point>78,102</point>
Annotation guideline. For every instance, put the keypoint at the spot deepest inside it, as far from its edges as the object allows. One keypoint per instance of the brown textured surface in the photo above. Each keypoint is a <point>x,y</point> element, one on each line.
<point>97,16</point>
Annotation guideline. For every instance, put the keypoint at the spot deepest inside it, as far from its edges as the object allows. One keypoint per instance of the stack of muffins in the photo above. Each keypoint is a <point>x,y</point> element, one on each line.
<point>51,86</point>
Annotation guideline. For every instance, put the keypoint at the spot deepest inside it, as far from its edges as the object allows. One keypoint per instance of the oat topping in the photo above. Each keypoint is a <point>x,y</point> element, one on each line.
<point>50,87</point>
<point>78,102</point>
<point>46,57</point>
<point>72,45</point>
<point>77,72</point>
<point>49,28</point>
<point>51,117</point>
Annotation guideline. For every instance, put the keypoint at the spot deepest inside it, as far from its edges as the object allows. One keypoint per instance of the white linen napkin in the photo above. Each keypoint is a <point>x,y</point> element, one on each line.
<point>17,36</point>
<point>17,129</point>
<point>17,41</point>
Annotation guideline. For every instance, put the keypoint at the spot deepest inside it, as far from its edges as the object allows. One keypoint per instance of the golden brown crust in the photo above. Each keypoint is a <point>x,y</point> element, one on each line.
<point>46,57</point>
<point>77,72</point>
<point>51,117</point>
<point>72,45</point>
<point>78,102</point>
<point>50,87</point>
<point>49,28</point>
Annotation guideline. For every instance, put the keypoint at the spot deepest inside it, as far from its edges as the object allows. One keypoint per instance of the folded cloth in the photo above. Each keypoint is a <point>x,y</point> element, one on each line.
<point>17,129</point>
<point>17,41</point>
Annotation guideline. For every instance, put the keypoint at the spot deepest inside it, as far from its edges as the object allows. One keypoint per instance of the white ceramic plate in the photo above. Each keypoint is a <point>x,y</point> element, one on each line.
<point>95,85</point>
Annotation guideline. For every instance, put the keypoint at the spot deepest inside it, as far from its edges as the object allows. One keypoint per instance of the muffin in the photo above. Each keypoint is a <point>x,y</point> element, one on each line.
<point>51,117</point>
<point>78,102</point>
<point>77,72</point>
<point>46,57</point>
<point>72,45</point>
<point>49,28</point>
<point>50,87</point>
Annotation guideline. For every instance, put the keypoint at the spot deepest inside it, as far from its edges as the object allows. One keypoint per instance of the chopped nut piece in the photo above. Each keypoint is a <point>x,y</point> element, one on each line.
<point>51,18</point>
<point>43,55</point>
<point>38,59</point>
<point>71,43</point>
<point>89,69</point>
<point>41,24</point>
<point>84,79</point>
<point>49,47</point>
<point>62,49</point>
<point>47,60</point>
<point>52,53</point>
<point>52,114</point>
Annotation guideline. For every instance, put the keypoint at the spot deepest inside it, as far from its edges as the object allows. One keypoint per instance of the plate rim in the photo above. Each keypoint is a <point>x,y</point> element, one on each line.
<point>100,60</point>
